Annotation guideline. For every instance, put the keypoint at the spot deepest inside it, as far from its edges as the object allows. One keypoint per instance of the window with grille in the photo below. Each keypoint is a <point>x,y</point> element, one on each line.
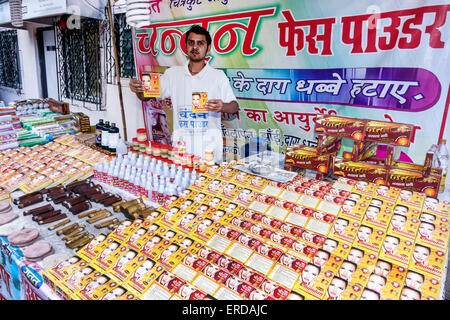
<point>9,60</point>
<point>124,45</point>
<point>79,65</point>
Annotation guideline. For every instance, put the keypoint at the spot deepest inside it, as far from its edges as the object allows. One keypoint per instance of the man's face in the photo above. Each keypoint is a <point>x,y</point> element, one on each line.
<point>197,47</point>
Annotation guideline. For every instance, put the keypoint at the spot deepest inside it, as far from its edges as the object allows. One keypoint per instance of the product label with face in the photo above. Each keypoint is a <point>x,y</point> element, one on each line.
<point>397,250</point>
<point>126,265</point>
<point>405,225</point>
<point>434,234</point>
<point>427,259</point>
<point>344,229</point>
<point>144,275</point>
<point>369,238</point>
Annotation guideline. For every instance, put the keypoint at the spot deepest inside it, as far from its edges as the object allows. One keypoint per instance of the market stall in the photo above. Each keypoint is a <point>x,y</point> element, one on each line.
<point>281,183</point>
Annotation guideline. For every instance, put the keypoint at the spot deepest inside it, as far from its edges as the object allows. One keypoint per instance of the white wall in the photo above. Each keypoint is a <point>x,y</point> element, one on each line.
<point>29,68</point>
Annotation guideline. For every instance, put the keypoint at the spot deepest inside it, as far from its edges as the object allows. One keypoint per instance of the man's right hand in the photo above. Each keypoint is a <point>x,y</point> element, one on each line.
<point>137,87</point>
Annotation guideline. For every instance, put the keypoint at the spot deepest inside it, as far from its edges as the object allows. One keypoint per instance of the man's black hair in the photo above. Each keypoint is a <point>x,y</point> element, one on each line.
<point>198,30</point>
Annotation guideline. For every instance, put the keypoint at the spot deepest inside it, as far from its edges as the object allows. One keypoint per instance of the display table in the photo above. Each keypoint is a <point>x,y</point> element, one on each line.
<point>21,279</point>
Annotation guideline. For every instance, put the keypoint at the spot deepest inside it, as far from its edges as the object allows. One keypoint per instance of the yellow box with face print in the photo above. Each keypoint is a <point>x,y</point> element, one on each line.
<point>428,259</point>
<point>144,275</point>
<point>369,238</point>
<point>397,250</point>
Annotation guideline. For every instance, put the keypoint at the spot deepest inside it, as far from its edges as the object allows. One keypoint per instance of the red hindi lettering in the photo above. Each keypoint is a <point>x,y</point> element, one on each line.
<point>353,28</point>
<point>292,36</point>
<point>146,45</point>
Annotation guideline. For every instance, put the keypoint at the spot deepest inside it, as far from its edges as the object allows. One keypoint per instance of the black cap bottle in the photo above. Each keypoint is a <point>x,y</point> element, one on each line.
<point>105,135</point>
<point>113,138</point>
<point>98,133</point>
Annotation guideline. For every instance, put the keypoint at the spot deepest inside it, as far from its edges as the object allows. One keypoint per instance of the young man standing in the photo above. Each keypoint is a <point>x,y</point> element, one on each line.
<point>179,82</point>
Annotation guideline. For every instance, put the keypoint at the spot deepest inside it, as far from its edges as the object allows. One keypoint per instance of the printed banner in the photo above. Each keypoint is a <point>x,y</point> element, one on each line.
<point>289,60</point>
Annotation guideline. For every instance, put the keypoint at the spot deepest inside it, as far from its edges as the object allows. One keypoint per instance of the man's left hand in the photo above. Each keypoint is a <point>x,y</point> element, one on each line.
<point>215,105</point>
